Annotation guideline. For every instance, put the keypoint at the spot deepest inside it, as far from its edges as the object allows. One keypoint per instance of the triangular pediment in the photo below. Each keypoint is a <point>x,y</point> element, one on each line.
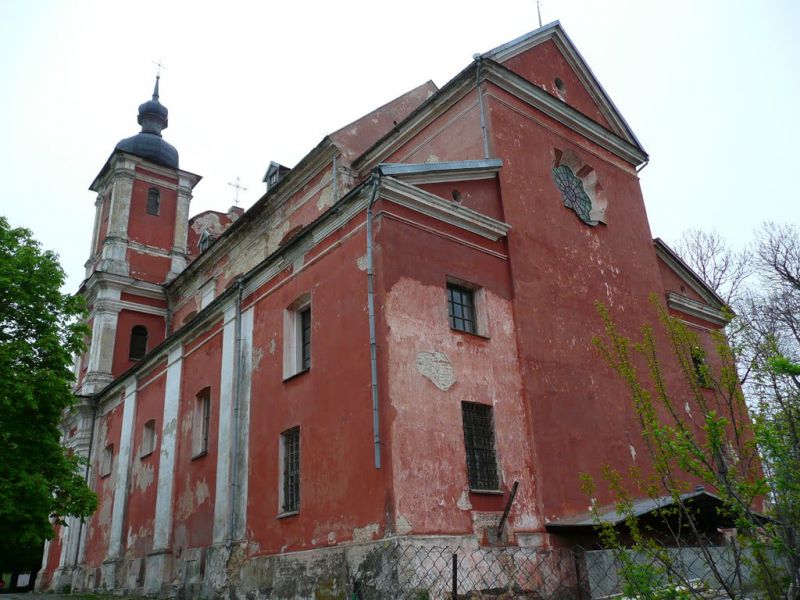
<point>547,58</point>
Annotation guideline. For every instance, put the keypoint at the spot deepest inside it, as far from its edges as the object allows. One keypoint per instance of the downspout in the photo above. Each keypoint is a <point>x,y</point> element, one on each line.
<point>478,63</point>
<point>237,357</point>
<point>373,353</point>
<point>335,181</point>
<point>643,165</point>
<point>86,479</point>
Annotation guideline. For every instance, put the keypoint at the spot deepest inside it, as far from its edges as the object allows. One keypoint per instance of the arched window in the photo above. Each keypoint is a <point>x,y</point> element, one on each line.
<point>138,346</point>
<point>153,201</point>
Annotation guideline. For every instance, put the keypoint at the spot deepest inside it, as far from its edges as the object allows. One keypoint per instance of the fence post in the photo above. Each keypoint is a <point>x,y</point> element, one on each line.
<point>455,576</point>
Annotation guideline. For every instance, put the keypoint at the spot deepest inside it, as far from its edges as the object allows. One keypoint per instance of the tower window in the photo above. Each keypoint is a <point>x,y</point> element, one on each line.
<point>153,201</point>
<point>138,346</point>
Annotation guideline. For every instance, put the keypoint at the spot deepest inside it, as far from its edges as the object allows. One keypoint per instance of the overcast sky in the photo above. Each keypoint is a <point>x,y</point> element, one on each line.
<point>711,89</point>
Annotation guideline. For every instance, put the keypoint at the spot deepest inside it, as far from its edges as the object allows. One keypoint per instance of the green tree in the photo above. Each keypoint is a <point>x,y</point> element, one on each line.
<point>698,430</point>
<point>40,330</point>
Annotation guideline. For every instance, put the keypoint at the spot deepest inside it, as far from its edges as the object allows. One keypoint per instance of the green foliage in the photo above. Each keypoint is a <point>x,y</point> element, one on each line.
<point>698,430</point>
<point>40,330</point>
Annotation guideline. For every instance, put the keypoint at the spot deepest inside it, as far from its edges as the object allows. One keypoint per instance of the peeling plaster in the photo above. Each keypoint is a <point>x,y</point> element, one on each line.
<point>325,198</point>
<point>438,368</point>
<point>201,492</point>
<point>463,501</point>
<point>365,534</point>
<point>402,525</point>
<point>258,354</point>
<point>143,475</point>
<point>276,235</point>
<point>332,537</point>
<point>633,452</point>
<point>361,263</point>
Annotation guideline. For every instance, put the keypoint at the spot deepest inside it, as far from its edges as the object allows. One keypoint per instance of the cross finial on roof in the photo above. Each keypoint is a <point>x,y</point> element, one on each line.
<point>238,187</point>
<point>159,66</point>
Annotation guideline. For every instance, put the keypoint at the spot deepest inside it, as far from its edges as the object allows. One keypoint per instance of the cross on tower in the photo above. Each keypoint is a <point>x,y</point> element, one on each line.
<point>238,187</point>
<point>159,66</point>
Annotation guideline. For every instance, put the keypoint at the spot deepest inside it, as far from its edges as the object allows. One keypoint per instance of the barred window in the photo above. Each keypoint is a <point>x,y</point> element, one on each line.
<point>290,470</point>
<point>305,338</point>
<point>479,445</point>
<point>461,308</point>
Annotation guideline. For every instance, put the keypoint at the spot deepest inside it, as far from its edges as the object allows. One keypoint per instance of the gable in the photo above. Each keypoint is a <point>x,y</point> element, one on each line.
<point>547,67</point>
<point>547,54</point>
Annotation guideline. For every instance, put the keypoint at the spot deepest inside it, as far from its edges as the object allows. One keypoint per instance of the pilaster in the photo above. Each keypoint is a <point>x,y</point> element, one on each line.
<point>123,470</point>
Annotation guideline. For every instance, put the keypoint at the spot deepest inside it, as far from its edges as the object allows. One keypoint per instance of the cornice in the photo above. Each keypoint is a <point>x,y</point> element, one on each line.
<point>420,118</point>
<point>551,106</point>
<point>294,180</point>
<point>687,275</point>
<point>446,211</point>
<point>696,309</point>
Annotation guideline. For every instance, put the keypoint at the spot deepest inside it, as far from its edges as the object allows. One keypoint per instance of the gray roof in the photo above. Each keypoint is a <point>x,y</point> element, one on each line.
<point>609,515</point>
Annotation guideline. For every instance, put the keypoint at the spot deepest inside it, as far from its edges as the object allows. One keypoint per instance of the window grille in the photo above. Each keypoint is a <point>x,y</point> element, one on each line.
<point>291,470</point>
<point>461,308</point>
<point>138,345</point>
<point>479,444</point>
<point>153,201</point>
<point>305,339</point>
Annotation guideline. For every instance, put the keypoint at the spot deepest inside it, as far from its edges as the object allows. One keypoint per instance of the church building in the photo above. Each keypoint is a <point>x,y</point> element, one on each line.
<point>394,334</point>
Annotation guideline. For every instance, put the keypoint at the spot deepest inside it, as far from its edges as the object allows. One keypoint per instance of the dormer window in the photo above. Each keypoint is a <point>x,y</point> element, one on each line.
<point>275,172</point>
<point>153,201</point>
<point>205,241</point>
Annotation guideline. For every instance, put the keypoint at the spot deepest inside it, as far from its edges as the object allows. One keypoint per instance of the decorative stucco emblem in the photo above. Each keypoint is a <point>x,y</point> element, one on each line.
<point>579,189</point>
<point>438,368</point>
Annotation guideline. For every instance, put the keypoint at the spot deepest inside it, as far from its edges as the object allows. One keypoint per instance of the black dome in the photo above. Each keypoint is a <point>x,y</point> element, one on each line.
<point>153,107</point>
<point>148,143</point>
<point>151,147</point>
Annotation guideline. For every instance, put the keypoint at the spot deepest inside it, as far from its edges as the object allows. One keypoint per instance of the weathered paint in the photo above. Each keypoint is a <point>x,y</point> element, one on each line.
<point>557,410</point>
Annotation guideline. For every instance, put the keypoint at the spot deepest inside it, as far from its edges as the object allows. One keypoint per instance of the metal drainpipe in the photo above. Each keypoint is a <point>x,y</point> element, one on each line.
<point>643,165</point>
<point>335,182</point>
<point>235,423</point>
<point>485,133</point>
<point>86,479</point>
<point>373,355</point>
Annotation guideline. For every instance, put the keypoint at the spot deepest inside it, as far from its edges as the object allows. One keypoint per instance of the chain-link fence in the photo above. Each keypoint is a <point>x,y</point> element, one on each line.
<point>401,569</point>
<point>411,569</point>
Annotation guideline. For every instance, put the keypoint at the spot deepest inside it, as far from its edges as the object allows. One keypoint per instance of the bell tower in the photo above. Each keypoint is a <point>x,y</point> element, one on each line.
<point>138,245</point>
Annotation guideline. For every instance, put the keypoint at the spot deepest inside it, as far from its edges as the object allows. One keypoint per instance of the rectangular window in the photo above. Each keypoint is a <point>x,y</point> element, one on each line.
<point>107,460</point>
<point>148,438</point>
<point>461,308</point>
<point>200,420</point>
<point>305,338</point>
<point>297,337</point>
<point>290,471</point>
<point>479,445</point>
